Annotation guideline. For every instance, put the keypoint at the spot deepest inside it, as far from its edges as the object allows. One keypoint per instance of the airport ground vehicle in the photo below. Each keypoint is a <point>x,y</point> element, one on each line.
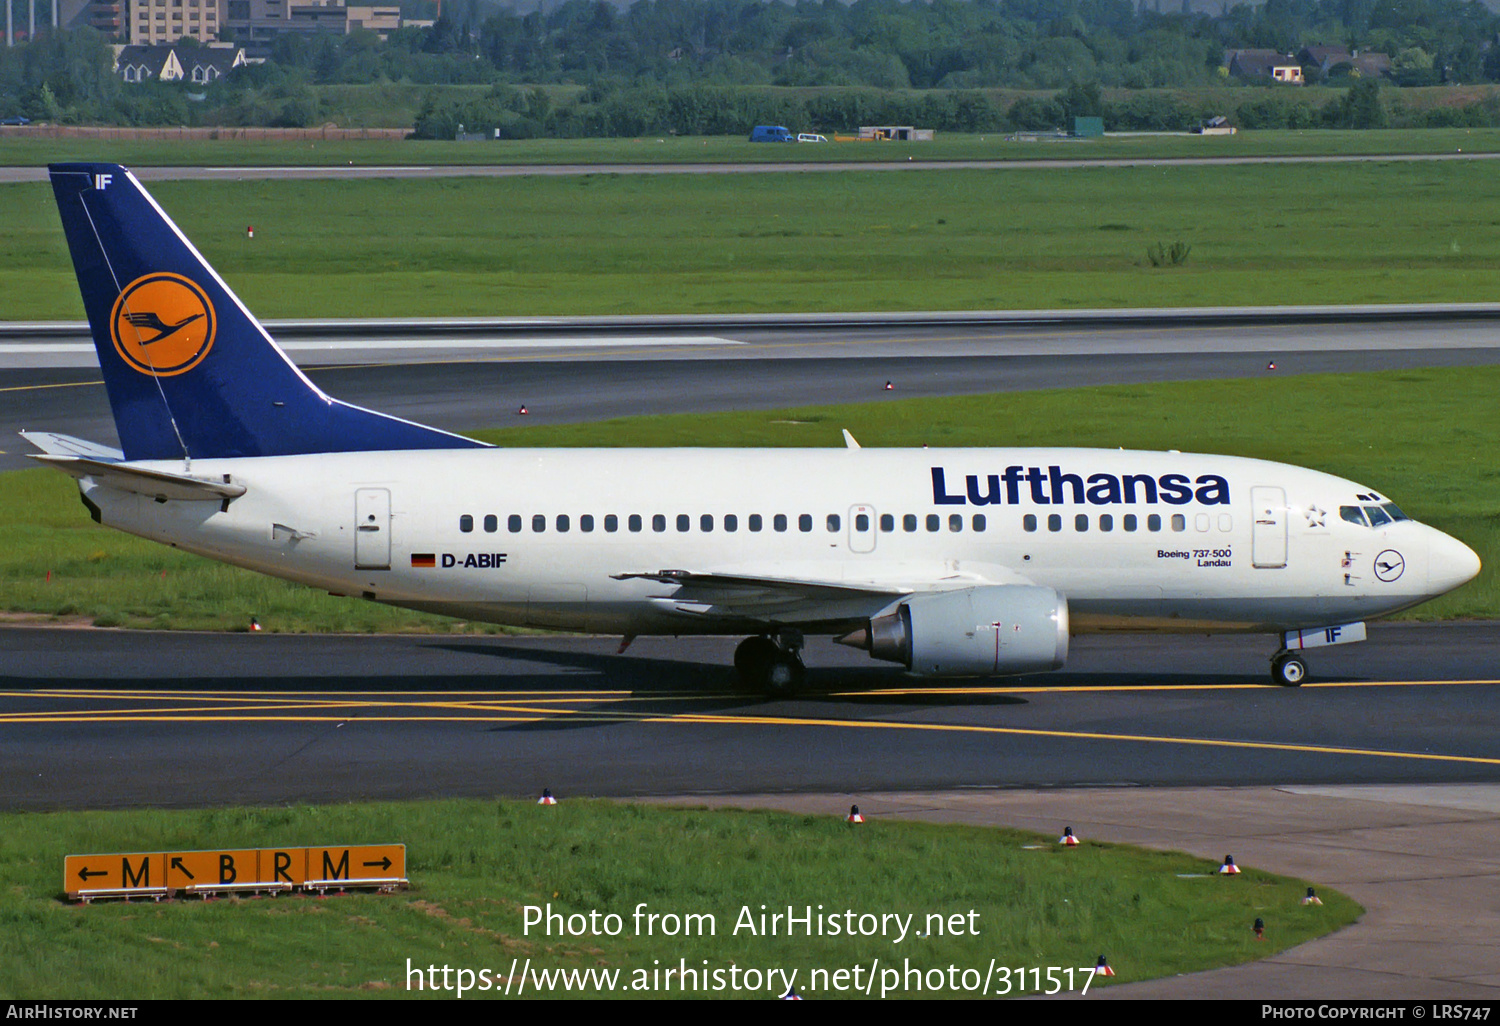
<point>771,133</point>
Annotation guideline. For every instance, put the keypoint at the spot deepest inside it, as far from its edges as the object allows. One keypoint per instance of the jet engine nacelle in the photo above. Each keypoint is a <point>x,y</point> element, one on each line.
<point>996,630</point>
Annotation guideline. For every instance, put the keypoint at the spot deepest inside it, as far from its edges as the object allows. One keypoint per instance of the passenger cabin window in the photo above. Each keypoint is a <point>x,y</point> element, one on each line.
<point>979,522</point>
<point>706,523</point>
<point>1081,522</point>
<point>634,523</point>
<point>1029,522</point>
<point>934,521</point>
<point>779,522</point>
<point>1179,522</point>
<point>513,523</point>
<point>861,522</point>
<point>466,523</point>
<point>1106,522</point>
<point>659,522</point>
<point>887,523</point>
<point>909,522</point>
<point>731,522</point>
<point>684,522</point>
<point>562,523</point>
<point>1153,522</point>
<point>586,522</point>
<point>804,523</point>
<point>538,523</point>
<point>1129,521</point>
<point>833,523</point>
<point>755,522</point>
<point>955,521</point>
<point>1054,522</point>
<point>611,523</point>
<point>491,523</point>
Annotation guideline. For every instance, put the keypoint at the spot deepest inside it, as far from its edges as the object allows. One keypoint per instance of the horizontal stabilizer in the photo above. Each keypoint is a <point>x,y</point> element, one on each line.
<point>67,445</point>
<point>153,484</point>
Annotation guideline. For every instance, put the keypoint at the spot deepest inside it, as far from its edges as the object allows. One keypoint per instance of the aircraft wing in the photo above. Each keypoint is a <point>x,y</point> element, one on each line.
<point>809,593</point>
<point>154,484</point>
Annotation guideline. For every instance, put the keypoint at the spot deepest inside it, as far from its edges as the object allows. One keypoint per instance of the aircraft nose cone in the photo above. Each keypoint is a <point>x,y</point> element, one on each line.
<point>1450,563</point>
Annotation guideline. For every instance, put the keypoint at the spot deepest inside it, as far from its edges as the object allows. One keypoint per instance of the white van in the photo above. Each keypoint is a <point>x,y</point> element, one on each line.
<point>809,137</point>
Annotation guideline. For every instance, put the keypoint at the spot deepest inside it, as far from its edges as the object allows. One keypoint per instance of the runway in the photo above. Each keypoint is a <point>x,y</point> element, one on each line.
<point>353,171</point>
<point>116,718</point>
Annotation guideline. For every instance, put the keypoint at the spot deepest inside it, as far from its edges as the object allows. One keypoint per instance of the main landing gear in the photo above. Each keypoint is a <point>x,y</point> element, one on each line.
<point>771,665</point>
<point>1288,669</point>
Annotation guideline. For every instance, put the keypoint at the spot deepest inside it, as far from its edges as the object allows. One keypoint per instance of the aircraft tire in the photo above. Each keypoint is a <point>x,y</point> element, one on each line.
<point>1288,670</point>
<point>764,666</point>
<point>751,657</point>
<point>782,677</point>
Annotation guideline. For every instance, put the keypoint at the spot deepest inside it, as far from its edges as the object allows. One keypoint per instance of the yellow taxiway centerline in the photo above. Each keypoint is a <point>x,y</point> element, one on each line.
<point>520,713</point>
<point>1077,735</point>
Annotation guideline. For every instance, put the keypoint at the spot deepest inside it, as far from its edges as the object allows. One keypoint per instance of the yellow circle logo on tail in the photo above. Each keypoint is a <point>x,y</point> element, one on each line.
<point>163,324</point>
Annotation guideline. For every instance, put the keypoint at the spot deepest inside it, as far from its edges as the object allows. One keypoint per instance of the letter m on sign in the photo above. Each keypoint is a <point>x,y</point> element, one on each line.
<point>336,871</point>
<point>135,877</point>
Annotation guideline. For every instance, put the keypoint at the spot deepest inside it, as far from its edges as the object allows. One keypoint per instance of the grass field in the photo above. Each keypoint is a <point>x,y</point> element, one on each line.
<point>474,866</point>
<point>1421,437</point>
<point>17,147</point>
<point>595,244</point>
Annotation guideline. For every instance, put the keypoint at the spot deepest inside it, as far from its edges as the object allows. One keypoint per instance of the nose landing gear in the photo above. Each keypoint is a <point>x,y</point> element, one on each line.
<point>1288,669</point>
<point>772,666</point>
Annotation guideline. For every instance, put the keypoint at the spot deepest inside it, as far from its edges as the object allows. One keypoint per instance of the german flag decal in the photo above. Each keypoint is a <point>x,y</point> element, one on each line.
<point>423,559</point>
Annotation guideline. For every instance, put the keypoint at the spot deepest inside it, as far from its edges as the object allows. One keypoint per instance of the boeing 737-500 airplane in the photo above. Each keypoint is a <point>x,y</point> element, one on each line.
<point>947,561</point>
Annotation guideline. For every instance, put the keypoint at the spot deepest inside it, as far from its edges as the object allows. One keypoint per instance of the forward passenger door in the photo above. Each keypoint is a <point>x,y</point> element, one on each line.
<point>1268,528</point>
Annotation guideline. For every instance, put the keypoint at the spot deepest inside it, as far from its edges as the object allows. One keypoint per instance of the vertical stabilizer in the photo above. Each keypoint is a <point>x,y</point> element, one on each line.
<point>190,372</point>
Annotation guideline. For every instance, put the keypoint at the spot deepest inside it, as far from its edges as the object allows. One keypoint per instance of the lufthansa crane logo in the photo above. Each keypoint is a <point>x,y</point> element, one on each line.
<point>163,324</point>
<point>1389,565</point>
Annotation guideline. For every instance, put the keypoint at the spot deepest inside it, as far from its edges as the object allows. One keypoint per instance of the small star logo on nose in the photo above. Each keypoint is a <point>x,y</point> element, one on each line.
<point>1315,516</point>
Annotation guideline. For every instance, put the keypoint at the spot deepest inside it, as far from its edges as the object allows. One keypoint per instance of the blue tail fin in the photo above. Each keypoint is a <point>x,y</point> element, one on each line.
<point>190,372</point>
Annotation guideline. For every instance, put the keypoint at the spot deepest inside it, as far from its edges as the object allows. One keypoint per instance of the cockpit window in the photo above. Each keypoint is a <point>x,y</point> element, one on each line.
<point>1354,515</point>
<point>1377,515</point>
<point>1395,511</point>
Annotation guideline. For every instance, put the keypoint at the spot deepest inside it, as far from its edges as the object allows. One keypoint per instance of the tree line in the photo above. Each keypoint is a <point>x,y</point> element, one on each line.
<point>718,66</point>
<point>957,44</point>
<point>510,113</point>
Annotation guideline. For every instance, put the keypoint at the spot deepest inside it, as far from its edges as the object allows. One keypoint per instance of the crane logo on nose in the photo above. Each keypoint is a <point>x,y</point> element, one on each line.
<point>163,324</point>
<point>1389,565</point>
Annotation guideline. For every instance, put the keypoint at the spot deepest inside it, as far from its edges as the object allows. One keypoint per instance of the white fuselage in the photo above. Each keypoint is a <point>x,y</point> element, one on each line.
<point>548,537</point>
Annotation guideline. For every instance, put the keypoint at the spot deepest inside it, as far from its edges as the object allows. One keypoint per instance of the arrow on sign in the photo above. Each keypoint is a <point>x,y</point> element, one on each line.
<point>85,873</point>
<point>384,863</point>
<point>177,865</point>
